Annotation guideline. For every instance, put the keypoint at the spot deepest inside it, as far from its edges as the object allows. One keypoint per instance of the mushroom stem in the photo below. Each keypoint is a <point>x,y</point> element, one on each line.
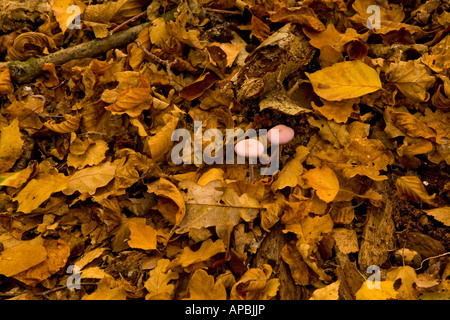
<point>251,175</point>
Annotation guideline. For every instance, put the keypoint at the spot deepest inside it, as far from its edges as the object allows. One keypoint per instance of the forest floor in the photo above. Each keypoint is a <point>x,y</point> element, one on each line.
<point>107,188</point>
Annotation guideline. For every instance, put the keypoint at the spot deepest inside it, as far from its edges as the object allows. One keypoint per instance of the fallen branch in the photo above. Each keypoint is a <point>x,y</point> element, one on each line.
<point>25,71</point>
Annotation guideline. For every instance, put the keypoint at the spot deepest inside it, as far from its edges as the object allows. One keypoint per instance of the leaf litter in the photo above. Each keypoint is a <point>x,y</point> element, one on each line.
<point>88,182</point>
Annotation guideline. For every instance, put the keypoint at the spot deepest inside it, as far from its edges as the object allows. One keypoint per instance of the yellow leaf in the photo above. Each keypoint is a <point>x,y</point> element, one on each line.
<point>107,291</point>
<point>408,276</point>
<point>5,81</point>
<point>385,291</point>
<point>202,287</point>
<point>58,252</point>
<point>157,284</point>
<point>441,214</point>
<point>412,78</point>
<point>171,203</point>
<point>89,179</point>
<point>338,111</point>
<point>207,250</point>
<point>62,11</point>
<point>132,100</point>
<point>39,190</point>
<point>255,285</point>
<point>345,80</point>
<point>22,257</point>
<point>161,142</point>
<point>86,153</point>
<point>411,126</point>
<point>10,145</point>
<point>210,175</point>
<point>289,175</point>
<point>70,125</point>
<point>411,188</point>
<point>324,181</point>
<point>333,38</point>
<point>330,292</point>
<point>142,236</point>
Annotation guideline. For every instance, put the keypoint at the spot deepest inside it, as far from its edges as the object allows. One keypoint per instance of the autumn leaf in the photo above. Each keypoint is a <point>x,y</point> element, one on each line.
<point>324,181</point>
<point>385,291</point>
<point>71,124</point>
<point>157,284</point>
<point>441,214</point>
<point>255,285</point>
<point>5,81</point>
<point>304,16</point>
<point>345,80</point>
<point>202,287</point>
<point>10,145</point>
<point>142,236</point>
<point>290,174</point>
<point>207,250</point>
<point>62,13</point>
<point>19,258</point>
<point>39,190</point>
<point>84,153</point>
<point>330,292</point>
<point>333,38</point>
<point>106,290</point>
<point>58,252</point>
<point>411,188</point>
<point>171,203</point>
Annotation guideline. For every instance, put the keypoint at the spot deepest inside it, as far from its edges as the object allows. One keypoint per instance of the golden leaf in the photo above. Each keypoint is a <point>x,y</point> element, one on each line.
<point>39,190</point>
<point>345,80</point>
<point>202,287</point>
<point>142,236</point>
<point>171,203</point>
<point>58,252</point>
<point>441,214</point>
<point>86,153</point>
<point>10,145</point>
<point>385,291</point>
<point>21,257</point>
<point>5,81</point>
<point>107,290</point>
<point>411,188</point>
<point>329,292</point>
<point>304,16</point>
<point>412,78</point>
<point>89,179</point>
<point>207,250</point>
<point>290,174</point>
<point>62,13</point>
<point>210,175</point>
<point>255,285</point>
<point>71,124</point>
<point>132,100</point>
<point>333,38</point>
<point>29,45</point>
<point>324,181</point>
<point>157,284</point>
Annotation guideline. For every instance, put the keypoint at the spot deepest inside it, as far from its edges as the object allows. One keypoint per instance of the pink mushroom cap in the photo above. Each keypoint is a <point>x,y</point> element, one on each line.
<point>285,134</point>
<point>249,148</point>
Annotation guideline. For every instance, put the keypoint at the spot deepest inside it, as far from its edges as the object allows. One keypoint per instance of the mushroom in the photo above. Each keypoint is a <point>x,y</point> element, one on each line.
<point>251,149</point>
<point>280,135</point>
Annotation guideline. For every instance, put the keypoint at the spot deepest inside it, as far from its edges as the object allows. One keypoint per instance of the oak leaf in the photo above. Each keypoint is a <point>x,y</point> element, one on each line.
<point>255,285</point>
<point>107,290</point>
<point>345,80</point>
<point>202,287</point>
<point>157,284</point>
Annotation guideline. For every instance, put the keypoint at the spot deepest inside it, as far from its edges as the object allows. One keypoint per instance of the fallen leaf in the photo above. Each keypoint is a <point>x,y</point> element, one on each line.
<point>345,80</point>
<point>304,16</point>
<point>107,291</point>
<point>324,181</point>
<point>5,81</point>
<point>39,190</point>
<point>329,292</point>
<point>19,258</point>
<point>157,284</point>
<point>207,250</point>
<point>411,188</point>
<point>385,291</point>
<point>346,240</point>
<point>255,285</point>
<point>90,179</point>
<point>441,214</point>
<point>10,145</point>
<point>142,236</point>
<point>202,287</point>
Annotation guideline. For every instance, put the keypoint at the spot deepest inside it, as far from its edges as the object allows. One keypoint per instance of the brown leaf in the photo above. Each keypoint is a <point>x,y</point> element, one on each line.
<point>304,16</point>
<point>198,87</point>
<point>70,125</point>
<point>411,188</point>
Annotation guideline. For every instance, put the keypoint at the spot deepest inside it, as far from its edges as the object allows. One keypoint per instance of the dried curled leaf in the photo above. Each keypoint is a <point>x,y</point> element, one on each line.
<point>5,81</point>
<point>30,44</point>
<point>411,125</point>
<point>71,124</point>
<point>411,188</point>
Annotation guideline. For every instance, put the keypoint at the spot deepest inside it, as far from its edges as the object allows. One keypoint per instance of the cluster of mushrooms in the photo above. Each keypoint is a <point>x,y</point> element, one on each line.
<point>252,148</point>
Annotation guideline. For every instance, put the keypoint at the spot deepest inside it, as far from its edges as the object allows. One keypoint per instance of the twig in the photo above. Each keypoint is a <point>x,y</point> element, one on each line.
<point>439,255</point>
<point>223,206</point>
<point>224,11</point>
<point>166,63</point>
<point>123,24</point>
<point>45,293</point>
